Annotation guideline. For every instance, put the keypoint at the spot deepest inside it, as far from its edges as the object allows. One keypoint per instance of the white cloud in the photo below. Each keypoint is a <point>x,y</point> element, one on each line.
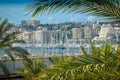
<point>50,18</point>
<point>91,18</point>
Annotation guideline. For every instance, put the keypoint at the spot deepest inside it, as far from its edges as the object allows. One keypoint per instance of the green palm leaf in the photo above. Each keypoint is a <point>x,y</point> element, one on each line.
<point>32,69</point>
<point>118,51</point>
<point>84,51</point>
<point>7,39</point>
<point>4,69</point>
<point>85,68</point>
<point>108,9</point>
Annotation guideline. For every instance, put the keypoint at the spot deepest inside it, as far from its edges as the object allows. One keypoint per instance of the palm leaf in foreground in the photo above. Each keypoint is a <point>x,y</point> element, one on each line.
<point>109,9</point>
<point>7,39</point>
<point>105,66</point>
<point>31,69</point>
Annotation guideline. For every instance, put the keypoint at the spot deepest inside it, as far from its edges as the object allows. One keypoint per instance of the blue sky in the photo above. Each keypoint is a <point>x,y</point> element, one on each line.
<point>15,1</point>
<point>14,10</point>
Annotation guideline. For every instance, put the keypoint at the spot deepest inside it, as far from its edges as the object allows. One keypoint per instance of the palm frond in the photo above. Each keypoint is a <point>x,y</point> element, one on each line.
<point>84,51</point>
<point>4,69</point>
<point>85,68</point>
<point>108,9</point>
<point>118,51</point>
<point>10,54</point>
<point>32,70</point>
<point>3,24</point>
<point>7,39</point>
<point>49,6</point>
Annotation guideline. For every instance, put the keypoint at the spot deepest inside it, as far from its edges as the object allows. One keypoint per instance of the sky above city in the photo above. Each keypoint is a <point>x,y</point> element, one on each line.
<point>14,10</point>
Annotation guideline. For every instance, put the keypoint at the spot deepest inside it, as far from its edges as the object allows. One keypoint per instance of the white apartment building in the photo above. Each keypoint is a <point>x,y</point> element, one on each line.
<point>78,33</point>
<point>96,28</point>
<point>45,36</point>
<point>117,34</point>
<point>105,33</point>
<point>26,36</point>
<point>88,32</point>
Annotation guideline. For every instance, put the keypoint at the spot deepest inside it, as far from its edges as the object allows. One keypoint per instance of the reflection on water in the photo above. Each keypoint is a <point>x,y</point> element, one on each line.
<point>54,51</point>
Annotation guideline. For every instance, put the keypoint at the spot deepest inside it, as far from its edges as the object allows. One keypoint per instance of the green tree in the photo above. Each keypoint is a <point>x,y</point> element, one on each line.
<point>109,9</point>
<point>102,64</point>
<point>7,39</point>
<point>32,69</point>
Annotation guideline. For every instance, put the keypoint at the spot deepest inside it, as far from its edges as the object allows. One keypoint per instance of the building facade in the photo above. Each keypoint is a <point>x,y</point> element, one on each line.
<point>77,33</point>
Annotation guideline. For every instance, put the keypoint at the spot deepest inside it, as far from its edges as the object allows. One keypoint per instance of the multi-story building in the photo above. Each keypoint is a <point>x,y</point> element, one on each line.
<point>117,34</point>
<point>36,36</point>
<point>23,23</point>
<point>40,36</point>
<point>88,32</point>
<point>96,28</point>
<point>58,36</point>
<point>45,36</point>
<point>26,36</point>
<point>105,33</point>
<point>77,33</point>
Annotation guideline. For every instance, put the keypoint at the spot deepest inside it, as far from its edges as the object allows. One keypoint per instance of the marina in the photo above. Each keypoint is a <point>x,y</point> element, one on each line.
<point>54,49</point>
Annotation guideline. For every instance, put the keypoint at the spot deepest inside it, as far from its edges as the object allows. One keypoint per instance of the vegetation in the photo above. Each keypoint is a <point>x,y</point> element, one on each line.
<point>101,64</point>
<point>32,69</point>
<point>7,39</point>
<point>108,9</point>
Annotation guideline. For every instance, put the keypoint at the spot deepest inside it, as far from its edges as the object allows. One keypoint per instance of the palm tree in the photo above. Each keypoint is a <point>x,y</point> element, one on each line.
<point>102,64</point>
<point>7,39</point>
<point>32,69</point>
<point>109,9</point>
